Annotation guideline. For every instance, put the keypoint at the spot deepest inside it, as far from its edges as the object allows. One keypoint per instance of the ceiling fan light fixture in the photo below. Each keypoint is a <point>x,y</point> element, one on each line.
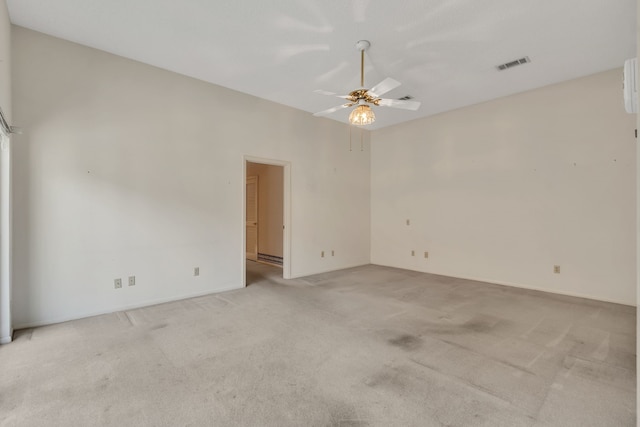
<point>362,115</point>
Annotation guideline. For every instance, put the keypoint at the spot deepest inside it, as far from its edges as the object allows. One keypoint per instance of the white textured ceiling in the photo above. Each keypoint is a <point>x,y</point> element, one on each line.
<point>443,51</point>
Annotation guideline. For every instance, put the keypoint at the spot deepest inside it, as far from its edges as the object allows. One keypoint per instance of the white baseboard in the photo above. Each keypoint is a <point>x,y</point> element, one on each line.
<point>7,339</point>
<point>147,303</point>
<point>533,288</point>
<point>297,276</point>
<point>518,285</point>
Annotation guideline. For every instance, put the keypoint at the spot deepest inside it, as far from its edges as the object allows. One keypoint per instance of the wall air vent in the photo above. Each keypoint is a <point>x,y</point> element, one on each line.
<point>405,98</point>
<point>512,64</point>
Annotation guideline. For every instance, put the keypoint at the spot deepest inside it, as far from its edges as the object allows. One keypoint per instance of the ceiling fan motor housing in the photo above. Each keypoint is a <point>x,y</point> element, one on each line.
<point>362,95</point>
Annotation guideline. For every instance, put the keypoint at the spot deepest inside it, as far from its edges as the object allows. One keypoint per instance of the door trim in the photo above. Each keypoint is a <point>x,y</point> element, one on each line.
<point>251,255</point>
<point>286,220</point>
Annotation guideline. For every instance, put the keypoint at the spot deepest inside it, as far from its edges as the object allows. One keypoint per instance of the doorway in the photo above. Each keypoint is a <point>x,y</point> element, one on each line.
<point>266,234</point>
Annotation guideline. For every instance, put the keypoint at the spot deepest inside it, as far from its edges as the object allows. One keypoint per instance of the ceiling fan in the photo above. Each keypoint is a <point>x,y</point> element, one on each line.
<point>362,98</point>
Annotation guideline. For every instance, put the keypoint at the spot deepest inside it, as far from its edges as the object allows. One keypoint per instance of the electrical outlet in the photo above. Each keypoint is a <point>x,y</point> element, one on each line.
<point>132,280</point>
<point>413,253</point>
<point>117,283</point>
<point>426,254</point>
<point>556,269</point>
<point>322,254</point>
<point>333,253</point>
<point>196,271</point>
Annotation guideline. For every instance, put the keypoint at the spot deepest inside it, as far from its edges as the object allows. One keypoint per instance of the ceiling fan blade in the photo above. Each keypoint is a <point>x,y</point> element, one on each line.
<point>332,110</point>
<point>396,103</point>
<point>323,92</point>
<point>383,87</point>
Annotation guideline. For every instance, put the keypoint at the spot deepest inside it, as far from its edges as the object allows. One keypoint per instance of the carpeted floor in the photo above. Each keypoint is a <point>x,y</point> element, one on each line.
<point>369,346</point>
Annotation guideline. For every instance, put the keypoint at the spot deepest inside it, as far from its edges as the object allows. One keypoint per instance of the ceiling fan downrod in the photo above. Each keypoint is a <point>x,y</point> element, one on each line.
<point>362,45</point>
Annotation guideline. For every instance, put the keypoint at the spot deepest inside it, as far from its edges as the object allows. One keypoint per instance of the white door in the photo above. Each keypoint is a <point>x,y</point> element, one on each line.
<point>252,218</point>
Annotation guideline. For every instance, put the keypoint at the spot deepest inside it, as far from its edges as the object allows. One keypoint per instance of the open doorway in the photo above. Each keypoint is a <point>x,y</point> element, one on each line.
<point>266,236</point>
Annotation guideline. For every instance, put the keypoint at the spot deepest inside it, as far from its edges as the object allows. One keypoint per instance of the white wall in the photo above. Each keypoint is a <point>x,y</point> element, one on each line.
<point>270,206</point>
<point>505,190</point>
<point>5,59</point>
<point>637,227</point>
<point>6,329</point>
<point>126,169</point>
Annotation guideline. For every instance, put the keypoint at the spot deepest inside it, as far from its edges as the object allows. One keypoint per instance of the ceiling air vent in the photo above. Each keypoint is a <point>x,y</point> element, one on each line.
<point>512,64</point>
<point>405,98</point>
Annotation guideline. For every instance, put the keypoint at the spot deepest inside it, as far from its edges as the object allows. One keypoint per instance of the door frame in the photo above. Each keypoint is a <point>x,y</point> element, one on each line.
<point>6,238</point>
<point>256,182</point>
<point>286,220</point>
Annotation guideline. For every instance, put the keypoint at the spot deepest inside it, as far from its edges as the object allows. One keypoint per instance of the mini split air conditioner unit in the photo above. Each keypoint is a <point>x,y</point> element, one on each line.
<point>630,85</point>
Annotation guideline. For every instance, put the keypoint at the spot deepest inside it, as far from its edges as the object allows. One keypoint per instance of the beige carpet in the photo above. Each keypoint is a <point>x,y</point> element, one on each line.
<point>369,346</point>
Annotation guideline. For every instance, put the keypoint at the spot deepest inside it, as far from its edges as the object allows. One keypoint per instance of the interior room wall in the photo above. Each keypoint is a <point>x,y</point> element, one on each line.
<point>129,170</point>
<point>5,59</point>
<point>5,179</point>
<point>637,225</point>
<point>270,206</point>
<point>503,191</point>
